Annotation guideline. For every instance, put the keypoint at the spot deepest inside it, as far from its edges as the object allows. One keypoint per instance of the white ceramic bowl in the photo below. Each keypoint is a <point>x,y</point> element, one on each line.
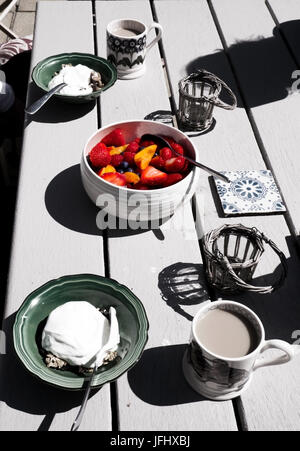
<point>138,205</point>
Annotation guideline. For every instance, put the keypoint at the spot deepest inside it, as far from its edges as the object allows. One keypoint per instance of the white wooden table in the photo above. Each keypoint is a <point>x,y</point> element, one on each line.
<point>55,232</point>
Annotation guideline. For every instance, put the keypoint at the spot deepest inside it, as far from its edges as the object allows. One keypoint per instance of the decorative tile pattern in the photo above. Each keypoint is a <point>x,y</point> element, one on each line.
<point>249,192</point>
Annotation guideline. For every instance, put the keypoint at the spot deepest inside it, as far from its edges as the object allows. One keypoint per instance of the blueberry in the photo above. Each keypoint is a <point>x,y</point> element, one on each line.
<point>156,154</point>
<point>120,171</point>
<point>124,165</point>
<point>129,170</point>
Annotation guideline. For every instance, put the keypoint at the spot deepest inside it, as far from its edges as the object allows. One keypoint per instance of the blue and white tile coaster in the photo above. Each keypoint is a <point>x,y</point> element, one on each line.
<point>249,192</point>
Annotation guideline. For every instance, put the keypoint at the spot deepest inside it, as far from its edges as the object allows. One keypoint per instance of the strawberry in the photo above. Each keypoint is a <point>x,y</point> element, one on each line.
<point>114,138</point>
<point>158,162</point>
<point>115,178</point>
<point>185,167</point>
<point>172,179</point>
<point>166,153</point>
<point>109,168</point>
<point>137,140</point>
<point>133,147</point>
<point>99,156</point>
<point>129,156</point>
<point>175,164</point>
<point>178,148</point>
<point>147,143</point>
<point>169,140</point>
<point>153,177</point>
<point>116,160</point>
<point>143,157</point>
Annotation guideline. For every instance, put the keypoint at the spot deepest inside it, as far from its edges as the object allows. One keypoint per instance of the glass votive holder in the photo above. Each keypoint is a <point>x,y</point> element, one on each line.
<point>198,95</point>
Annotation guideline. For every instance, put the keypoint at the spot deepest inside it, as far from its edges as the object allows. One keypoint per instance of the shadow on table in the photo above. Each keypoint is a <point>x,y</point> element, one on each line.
<point>262,78</point>
<point>183,284</point>
<point>22,391</point>
<point>55,110</point>
<point>280,310</point>
<point>166,117</point>
<point>290,31</point>
<point>158,377</point>
<point>143,228</point>
<point>68,204</point>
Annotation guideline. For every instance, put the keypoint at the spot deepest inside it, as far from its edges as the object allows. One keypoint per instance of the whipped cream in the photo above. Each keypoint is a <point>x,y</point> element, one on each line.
<point>81,335</point>
<point>78,79</point>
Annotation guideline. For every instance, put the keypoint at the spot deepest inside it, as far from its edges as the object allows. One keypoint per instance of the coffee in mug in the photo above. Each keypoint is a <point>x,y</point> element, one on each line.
<point>226,333</point>
<point>127,46</point>
<point>126,32</point>
<point>226,343</point>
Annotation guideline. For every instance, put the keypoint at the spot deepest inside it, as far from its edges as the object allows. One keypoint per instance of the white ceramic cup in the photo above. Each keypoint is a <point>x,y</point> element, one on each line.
<point>220,378</point>
<point>128,53</point>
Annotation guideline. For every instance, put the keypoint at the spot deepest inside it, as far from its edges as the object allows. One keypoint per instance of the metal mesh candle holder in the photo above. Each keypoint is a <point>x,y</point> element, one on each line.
<point>198,95</point>
<point>232,253</point>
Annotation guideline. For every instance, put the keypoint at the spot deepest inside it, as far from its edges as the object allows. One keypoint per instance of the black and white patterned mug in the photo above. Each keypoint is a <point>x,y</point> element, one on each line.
<point>127,46</point>
<point>218,377</point>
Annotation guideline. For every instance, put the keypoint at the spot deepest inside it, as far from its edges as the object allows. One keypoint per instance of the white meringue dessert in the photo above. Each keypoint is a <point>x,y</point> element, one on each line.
<point>78,333</point>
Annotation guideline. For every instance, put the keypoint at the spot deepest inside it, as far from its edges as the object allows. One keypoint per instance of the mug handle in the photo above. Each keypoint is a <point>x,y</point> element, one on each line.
<point>289,353</point>
<point>157,38</point>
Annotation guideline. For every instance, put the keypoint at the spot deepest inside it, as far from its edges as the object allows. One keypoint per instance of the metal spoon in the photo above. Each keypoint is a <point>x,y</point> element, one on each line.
<point>162,141</point>
<point>32,109</point>
<point>78,419</point>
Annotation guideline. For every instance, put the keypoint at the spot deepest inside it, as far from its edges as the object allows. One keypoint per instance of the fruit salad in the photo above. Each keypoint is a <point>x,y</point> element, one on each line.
<point>138,165</point>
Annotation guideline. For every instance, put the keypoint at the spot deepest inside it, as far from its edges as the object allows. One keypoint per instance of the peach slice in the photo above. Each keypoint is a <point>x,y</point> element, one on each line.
<point>143,157</point>
<point>109,168</point>
<point>118,150</point>
<point>131,177</point>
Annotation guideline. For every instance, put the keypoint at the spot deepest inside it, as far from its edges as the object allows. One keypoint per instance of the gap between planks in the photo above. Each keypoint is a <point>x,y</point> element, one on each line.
<point>115,423</point>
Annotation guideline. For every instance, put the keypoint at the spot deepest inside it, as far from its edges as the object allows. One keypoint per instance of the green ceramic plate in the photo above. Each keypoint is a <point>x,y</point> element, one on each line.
<point>45,70</point>
<point>99,291</point>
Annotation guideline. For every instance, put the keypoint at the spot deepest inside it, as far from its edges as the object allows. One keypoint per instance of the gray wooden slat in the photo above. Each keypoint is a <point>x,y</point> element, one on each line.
<point>231,145</point>
<point>55,232</point>
<point>154,395</point>
<point>264,68</point>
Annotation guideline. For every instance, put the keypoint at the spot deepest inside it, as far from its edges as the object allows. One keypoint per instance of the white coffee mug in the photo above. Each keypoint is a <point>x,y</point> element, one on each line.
<point>220,378</point>
<point>128,53</point>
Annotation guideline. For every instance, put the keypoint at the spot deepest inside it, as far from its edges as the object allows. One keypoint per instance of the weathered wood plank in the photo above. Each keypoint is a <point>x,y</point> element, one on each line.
<point>264,68</point>
<point>287,16</point>
<point>30,5</point>
<point>232,146</point>
<point>55,232</point>
<point>154,395</point>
